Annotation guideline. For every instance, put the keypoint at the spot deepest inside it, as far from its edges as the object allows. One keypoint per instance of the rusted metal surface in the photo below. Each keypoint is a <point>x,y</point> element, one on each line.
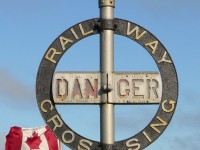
<point>137,88</point>
<point>136,33</point>
<point>71,87</point>
<point>126,88</point>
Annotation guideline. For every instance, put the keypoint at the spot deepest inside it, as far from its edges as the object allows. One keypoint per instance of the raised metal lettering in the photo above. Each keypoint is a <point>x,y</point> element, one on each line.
<point>46,102</point>
<point>68,136</point>
<point>56,120</point>
<point>51,53</point>
<point>133,144</point>
<point>147,136</point>
<point>76,94</point>
<point>64,41</point>
<point>136,30</point>
<point>123,87</point>
<point>83,32</point>
<point>62,92</point>
<point>69,87</point>
<point>136,88</point>
<point>168,109</point>
<point>155,125</point>
<point>84,144</point>
<point>164,58</point>
<point>74,33</point>
<point>153,45</point>
<point>152,88</point>
<point>91,91</point>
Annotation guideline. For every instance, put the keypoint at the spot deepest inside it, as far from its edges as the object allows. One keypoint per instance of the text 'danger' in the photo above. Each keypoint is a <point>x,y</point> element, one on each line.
<point>130,87</point>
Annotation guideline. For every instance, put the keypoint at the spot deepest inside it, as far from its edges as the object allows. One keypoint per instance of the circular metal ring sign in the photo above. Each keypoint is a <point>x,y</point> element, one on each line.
<point>136,33</point>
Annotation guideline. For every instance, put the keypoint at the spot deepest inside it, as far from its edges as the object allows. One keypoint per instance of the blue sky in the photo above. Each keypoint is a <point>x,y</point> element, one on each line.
<point>29,27</point>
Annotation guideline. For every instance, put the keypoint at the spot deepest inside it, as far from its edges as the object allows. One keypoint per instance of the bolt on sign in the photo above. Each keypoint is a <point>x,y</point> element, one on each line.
<point>70,87</point>
<point>107,88</point>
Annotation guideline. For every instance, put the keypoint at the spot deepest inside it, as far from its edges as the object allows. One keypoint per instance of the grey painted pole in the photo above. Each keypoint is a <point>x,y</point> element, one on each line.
<point>107,67</point>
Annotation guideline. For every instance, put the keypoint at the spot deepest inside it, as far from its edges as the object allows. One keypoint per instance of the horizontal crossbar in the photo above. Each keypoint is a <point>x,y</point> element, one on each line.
<point>126,88</point>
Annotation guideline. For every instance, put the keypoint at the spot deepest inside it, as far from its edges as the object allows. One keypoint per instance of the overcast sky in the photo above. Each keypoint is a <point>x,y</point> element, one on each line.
<point>27,28</point>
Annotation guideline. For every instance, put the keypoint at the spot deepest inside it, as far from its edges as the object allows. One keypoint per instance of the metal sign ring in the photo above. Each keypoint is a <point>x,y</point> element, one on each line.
<point>136,33</point>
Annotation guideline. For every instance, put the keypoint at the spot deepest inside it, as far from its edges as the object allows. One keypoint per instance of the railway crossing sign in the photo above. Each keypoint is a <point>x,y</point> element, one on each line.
<point>107,88</point>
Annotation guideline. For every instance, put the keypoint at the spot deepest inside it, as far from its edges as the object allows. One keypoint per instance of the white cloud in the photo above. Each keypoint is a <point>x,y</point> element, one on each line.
<point>13,89</point>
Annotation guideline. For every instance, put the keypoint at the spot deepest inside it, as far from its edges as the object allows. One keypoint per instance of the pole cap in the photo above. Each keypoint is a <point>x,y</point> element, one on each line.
<point>103,3</point>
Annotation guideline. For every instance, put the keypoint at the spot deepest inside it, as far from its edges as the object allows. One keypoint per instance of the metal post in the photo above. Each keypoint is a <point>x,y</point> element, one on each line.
<point>106,69</point>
